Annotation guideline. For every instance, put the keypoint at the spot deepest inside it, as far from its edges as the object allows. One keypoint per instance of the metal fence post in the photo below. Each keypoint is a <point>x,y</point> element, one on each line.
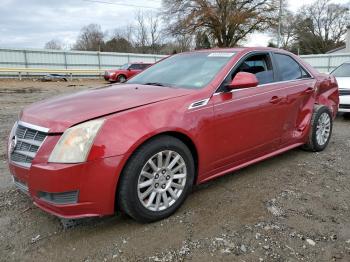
<point>329,64</point>
<point>25,58</point>
<point>25,63</point>
<point>65,60</point>
<point>99,63</point>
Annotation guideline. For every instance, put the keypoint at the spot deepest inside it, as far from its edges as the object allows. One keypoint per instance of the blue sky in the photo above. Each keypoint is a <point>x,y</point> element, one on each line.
<point>32,23</point>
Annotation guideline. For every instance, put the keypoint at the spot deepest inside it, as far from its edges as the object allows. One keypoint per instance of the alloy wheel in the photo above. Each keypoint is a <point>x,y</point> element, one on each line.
<point>323,129</point>
<point>162,180</point>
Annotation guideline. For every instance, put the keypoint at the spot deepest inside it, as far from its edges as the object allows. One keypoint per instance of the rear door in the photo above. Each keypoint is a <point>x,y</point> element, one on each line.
<point>298,87</point>
<point>249,122</point>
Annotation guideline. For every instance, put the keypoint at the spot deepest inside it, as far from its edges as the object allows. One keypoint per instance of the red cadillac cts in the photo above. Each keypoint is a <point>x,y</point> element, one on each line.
<point>139,147</point>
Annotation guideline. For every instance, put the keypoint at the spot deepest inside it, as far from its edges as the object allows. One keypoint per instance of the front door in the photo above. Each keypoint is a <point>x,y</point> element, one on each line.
<point>249,122</point>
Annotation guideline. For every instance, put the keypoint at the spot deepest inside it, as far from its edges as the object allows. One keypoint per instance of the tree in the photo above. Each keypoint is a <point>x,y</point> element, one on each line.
<point>321,27</point>
<point>202,41</point>
<point>154,32</point>
<point>289,24</point>
<point>118,44</point>
<point>141,33</point>
<point>148,32</point>
<point>225,21</point>
<point>90,38</point>
<point>54,44</point>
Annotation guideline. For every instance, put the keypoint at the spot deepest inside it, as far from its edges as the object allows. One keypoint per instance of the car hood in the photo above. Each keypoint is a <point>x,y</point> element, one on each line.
<point>343,82</point>
<point>62,112</point>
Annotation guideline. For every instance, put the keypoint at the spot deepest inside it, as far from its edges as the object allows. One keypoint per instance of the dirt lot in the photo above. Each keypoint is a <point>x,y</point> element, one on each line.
<point>293,207</point>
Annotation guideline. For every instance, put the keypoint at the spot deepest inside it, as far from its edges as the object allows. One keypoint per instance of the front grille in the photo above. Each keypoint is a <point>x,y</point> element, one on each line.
<point>344,106</point>
<point>344,92</point>
<point>29,139</point>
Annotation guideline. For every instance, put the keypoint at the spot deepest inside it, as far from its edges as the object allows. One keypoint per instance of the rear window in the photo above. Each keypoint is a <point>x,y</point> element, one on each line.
<point>342,71</point>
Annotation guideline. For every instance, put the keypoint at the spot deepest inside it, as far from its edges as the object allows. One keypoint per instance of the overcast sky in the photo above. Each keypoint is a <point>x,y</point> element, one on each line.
<point>32,23</point>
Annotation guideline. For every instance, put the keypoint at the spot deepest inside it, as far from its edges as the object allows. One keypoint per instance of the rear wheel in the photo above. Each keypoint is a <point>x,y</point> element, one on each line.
<point>320,130</point>
<point>156,179</point>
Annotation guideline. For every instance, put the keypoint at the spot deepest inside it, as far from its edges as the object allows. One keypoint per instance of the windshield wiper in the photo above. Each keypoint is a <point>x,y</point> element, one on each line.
<point>154,84</point>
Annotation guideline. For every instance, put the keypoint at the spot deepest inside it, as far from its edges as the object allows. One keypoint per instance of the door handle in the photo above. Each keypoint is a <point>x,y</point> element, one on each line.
<point>309,90</point>
<point>275,100</point>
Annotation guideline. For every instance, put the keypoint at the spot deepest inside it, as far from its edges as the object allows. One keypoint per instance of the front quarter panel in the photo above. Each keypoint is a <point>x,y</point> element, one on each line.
<point>122,131</point>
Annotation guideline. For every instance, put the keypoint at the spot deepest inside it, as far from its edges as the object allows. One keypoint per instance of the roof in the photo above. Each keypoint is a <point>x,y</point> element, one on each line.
<point>238,49</point>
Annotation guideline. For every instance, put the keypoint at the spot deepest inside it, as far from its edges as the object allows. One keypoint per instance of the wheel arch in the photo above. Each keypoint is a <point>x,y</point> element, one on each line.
<point>121,74</point>
<point>177,134</point>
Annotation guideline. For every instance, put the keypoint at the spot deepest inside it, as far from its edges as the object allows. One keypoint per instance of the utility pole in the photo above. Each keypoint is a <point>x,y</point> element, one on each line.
<point>279,25</point>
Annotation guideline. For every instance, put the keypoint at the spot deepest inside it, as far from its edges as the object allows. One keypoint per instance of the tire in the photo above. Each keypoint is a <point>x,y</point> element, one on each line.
<point>138,172</point>
<point>121,79</point>
<point>346,116</point>
<point>321,123</point>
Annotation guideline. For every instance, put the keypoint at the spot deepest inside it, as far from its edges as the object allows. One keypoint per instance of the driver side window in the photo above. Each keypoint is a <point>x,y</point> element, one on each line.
<point>260,65</point>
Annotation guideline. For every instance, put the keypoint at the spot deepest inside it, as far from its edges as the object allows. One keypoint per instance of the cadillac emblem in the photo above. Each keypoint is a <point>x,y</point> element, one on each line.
<point>13,144</point>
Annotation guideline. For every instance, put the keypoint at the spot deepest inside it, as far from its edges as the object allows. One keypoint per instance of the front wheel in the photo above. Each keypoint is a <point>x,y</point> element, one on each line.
<point>320,130</point>
<point>121,79</point>
<point>156,179</point>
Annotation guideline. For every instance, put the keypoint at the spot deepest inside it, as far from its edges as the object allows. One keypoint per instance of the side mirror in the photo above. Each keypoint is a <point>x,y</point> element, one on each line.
<point>129,69</point>
<point>243,80</point>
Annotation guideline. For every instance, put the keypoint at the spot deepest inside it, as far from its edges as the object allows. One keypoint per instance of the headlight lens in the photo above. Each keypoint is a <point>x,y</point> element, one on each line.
<point>75,143</point>
<point>9,143</point>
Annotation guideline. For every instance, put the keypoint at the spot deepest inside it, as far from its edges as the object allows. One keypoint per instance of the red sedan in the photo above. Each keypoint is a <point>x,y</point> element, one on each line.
<point>140,147</point>
<point>125,72</point>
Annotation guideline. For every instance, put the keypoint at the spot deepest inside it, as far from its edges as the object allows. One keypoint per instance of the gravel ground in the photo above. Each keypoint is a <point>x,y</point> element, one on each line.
<point>294,207</point>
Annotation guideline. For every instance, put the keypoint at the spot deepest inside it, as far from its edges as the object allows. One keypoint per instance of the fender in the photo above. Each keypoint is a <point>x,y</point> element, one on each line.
<point>123,132</point>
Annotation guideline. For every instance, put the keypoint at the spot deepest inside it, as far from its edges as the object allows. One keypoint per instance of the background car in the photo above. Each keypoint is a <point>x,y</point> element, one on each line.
<point>342,74</point>
<point>54,77</point>
<point>125,72</point>
<point>139,147</point>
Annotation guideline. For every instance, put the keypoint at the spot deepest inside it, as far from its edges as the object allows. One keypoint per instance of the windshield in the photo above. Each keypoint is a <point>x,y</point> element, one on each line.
<point>192,70</point>
<point>125,66</point>
<point>342,71</point>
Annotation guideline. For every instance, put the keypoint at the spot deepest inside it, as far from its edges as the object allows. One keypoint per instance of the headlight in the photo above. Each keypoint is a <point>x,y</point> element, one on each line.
<point>11,141</point>
<point>75,143</point>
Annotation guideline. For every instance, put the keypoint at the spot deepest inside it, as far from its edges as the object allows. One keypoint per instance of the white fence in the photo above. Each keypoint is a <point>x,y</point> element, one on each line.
<point>66,60</point>
<point>96,62</point>
<point>326,63</point>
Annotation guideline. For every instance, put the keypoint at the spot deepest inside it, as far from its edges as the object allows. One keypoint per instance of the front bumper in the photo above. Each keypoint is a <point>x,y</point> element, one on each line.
<point>94,182</point>
<point>344,105</point>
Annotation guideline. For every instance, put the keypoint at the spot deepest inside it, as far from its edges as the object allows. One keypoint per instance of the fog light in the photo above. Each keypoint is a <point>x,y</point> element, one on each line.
<point>63,198</point>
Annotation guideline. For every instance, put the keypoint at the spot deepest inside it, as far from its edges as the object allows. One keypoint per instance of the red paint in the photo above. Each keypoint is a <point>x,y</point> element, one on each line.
<point>233,130</point>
